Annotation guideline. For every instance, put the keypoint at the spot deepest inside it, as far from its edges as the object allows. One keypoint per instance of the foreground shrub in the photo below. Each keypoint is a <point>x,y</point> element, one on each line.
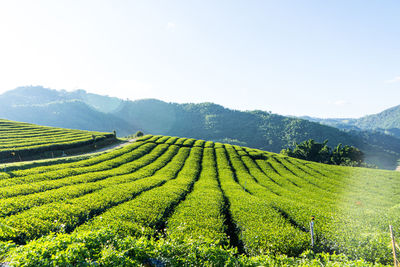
<point>107,248</point>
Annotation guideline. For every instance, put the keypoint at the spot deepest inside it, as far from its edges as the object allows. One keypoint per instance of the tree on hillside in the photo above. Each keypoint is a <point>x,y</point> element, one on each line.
<point>310,150</point>
<point>347,155</point>
<point>139,134</point>
<point>320,152</point>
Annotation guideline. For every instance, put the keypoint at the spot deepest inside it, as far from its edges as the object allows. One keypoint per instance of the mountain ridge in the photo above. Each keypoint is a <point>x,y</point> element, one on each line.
<point>386,121</point>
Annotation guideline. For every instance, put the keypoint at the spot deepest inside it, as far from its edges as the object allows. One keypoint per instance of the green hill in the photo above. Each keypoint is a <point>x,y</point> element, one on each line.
<point>205,203</point>
<point>258,129</point>
<point>23,141</point>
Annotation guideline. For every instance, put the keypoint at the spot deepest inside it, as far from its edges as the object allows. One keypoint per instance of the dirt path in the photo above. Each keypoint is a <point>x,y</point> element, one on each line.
<point>114,146</point>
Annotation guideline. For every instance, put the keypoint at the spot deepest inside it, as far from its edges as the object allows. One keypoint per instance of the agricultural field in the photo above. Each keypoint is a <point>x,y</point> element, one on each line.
<point>21,141</point>
<point>169,201</point>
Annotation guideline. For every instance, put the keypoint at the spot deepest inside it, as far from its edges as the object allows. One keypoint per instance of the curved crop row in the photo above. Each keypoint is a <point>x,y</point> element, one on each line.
<point>202,196</point>
<point>12,205</point>
<point>145,214</point>
<point>260,228</point>
<point>201,216</point>
<point>19,140</point>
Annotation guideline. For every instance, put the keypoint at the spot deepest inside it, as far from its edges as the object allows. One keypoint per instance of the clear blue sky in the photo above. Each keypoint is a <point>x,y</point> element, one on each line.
<point>317,58</point>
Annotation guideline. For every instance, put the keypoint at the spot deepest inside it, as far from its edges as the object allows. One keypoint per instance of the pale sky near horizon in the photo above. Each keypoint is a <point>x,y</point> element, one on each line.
<point>316,58</point>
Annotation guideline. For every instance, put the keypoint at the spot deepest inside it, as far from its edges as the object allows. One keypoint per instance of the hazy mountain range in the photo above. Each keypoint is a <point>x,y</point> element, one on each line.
<point>387,121</point>
<point>376,135</point>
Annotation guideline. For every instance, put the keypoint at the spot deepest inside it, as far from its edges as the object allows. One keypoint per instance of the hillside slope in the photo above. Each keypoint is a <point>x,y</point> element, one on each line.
<point>258,129</point>
<point>194,196</point>
<point>22,141</point>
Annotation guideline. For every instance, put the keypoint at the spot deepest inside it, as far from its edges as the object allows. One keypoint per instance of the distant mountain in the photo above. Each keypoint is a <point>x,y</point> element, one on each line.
<point>37,95</point>
<point>257,129</point>
<point>387,122</point>
<point>101,103</point>
<point>62,109</point>
<point>344,124</point>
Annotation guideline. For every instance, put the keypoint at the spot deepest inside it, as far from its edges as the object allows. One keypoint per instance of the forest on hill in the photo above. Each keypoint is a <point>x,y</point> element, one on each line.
<point>258,129</point>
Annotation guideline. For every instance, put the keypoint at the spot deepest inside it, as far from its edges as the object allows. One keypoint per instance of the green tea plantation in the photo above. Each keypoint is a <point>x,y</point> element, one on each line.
<point>169,201</point>
<point>23,141</point>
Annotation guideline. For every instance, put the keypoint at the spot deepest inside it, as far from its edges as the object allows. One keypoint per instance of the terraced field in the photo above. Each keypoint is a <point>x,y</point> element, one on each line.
<point>173,201</point>
<point>20,141</point>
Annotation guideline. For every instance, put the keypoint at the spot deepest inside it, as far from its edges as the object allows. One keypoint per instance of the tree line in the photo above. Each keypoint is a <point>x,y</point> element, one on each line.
<point>320,152</point>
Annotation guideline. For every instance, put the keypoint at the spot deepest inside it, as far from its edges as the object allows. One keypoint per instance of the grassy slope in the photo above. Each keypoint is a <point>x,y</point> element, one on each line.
<point>195,196</point>
<point>21,141</point>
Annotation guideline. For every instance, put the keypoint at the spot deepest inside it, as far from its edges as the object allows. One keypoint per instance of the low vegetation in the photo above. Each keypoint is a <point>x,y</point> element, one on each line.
<point>176,201</point>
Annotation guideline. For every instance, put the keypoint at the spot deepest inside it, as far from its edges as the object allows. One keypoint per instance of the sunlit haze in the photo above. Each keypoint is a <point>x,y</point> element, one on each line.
<point>316,58</point>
